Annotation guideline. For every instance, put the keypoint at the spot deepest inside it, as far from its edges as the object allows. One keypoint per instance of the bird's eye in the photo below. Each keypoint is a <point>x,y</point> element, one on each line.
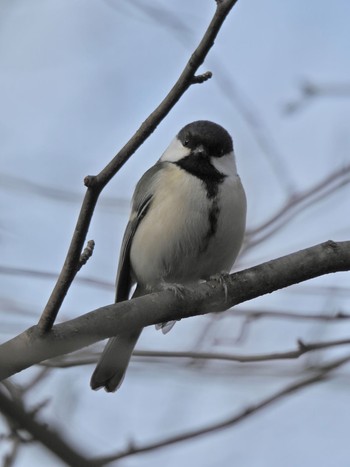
<point>186,141</point>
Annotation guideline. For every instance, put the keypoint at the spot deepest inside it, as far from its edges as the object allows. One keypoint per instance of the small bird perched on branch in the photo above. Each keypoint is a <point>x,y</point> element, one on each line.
<point>187,224</point>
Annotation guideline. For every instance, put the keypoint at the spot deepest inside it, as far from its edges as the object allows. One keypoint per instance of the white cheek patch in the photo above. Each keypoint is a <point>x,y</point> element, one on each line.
<point>225,164</point>
<point>175,152</point>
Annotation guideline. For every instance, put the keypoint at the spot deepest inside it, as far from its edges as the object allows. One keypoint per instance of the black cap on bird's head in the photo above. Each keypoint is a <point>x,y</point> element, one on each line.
<point>212,136</point>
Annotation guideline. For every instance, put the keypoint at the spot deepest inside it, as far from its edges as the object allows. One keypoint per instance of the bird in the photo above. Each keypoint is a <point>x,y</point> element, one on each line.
<point>186,225</point>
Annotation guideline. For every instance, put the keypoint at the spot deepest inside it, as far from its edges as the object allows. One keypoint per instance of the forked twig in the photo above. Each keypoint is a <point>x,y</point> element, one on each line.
<point>95,184</point>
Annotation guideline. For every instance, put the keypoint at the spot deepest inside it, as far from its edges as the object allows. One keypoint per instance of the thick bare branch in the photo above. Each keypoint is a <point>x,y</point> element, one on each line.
<point>96,184</point>
<point>32,347</point>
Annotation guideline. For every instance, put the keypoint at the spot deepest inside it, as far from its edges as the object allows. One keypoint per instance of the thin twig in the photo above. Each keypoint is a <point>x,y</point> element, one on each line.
<point>339,178</point>
<point>302,348</point>
<point>259,131</point>
<point>261,314</point>
<point>229,422</point>
<point>15,436</point>
<point>34,381</point>
<point>96,184</point>
<point>310,90</point>
<point>40,274</point>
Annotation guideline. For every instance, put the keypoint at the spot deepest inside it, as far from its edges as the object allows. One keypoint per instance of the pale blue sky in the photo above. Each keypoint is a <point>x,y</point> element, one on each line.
<point>77,78</point>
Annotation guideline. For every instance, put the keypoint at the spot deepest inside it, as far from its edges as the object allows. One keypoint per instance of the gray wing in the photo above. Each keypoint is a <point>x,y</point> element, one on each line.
<point>142,200</point>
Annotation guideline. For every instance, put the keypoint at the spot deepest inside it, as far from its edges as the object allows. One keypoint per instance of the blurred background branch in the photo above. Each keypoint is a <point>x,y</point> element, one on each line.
<point>68,101</point>
<point>320,375</point>
<point>309,91</point>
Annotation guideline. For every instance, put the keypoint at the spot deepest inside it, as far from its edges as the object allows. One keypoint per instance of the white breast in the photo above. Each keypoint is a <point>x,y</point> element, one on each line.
<point>169,242</point>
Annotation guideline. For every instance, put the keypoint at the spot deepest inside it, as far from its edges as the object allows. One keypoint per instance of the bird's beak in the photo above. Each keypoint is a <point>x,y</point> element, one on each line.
<point>201,151</point>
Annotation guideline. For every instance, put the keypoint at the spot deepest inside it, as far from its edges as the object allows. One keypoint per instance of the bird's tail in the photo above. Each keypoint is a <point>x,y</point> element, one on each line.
<point>110,370</point>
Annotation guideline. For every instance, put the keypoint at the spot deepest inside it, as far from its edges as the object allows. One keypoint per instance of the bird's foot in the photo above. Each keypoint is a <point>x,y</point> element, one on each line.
<point>177,289</point>
<point>221,278</point>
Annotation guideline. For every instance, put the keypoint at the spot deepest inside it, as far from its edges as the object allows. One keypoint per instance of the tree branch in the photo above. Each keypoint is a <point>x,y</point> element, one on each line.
<point>320,375</point>
<point>32,347</point>
<point>96,184</point>
<point>42,433</point>
<point>310,90</point>
<point>302,348</point>
<point>296,204</point>
<point>252,315</point>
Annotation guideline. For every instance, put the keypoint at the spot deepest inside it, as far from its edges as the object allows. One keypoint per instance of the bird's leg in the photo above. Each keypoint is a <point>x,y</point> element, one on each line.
<point>222,278</point>
<point>179,292</point>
